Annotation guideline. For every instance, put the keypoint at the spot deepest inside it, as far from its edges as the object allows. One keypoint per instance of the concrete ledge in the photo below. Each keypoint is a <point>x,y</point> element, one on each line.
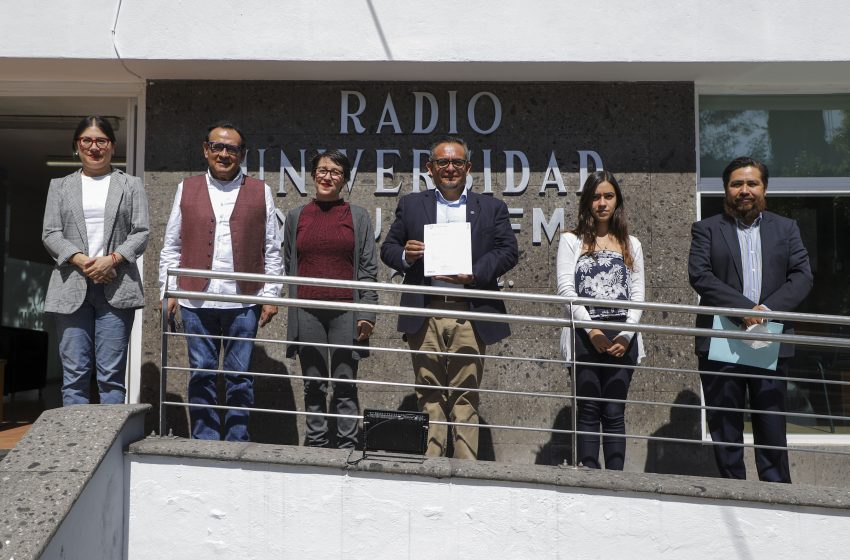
<point>606,481</point>
<point>44,475</point>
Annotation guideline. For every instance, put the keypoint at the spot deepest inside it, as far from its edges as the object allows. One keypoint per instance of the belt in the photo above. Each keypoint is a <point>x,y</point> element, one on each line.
<point>440,300</point>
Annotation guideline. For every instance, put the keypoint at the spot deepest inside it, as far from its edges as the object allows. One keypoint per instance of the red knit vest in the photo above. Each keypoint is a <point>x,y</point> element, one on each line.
<point>247,232</point>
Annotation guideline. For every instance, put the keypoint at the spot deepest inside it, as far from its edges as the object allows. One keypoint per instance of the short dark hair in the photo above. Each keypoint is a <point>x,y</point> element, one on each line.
<point>450,140</point>
<point>744,161</point>
<point>99,122</point>
<point>229,126</point>
<point>335,156</point>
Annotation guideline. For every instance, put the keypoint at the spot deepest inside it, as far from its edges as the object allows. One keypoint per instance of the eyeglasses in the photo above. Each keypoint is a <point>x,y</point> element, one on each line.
<point>218,147</point>
<point>443,163</point>
<point>334,173</point>
<point>86,142</point>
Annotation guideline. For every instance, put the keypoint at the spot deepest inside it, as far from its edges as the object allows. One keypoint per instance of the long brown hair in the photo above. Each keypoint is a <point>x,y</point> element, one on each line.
<point>585,229</point>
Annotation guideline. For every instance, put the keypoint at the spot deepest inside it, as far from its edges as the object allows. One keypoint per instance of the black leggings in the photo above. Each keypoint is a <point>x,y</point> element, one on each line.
<point>607,383</point>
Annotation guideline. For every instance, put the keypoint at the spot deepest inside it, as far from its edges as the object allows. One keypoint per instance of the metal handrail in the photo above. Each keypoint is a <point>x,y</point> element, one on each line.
<point>569,322</point>
<point>510,318</point>
<point>505,296</point>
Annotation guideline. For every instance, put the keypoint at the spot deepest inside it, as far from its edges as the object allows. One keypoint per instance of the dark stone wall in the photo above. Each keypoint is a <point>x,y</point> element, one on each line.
<point>644,133</point>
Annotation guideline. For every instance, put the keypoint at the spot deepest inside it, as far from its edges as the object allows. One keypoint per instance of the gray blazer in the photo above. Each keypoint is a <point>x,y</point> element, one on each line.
<point>125,232</point>
<point>365,270</point>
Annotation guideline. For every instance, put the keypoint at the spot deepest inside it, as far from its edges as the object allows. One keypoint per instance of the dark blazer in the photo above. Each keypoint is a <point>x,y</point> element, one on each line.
<point>714,269</point>
<point>494,252</point>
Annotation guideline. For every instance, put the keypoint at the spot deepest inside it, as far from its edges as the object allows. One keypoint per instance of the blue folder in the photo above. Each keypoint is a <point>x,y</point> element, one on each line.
<point>736,351</point>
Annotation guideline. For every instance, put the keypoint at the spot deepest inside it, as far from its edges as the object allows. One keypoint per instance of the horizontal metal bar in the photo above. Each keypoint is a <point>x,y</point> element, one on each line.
<point>269,410</point>
<point>509,318</point>
<point>535,359</point>
<point>370,382</point>
<point>518,428</point>
<point>504,392</point>
<point>508,296</point>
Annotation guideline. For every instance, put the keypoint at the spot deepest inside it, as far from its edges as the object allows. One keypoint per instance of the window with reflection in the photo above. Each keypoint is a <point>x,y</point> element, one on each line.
<point>794,135</point>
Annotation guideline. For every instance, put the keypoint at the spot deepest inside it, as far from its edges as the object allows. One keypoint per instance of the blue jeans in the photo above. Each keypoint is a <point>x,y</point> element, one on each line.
<point>94,338</point>
<point>204,354</point>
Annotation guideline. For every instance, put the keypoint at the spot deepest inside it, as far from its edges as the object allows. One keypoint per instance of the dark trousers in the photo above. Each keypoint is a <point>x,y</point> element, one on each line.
<point>607,383</point>
<point>725,426</point>
<point>328,327</point>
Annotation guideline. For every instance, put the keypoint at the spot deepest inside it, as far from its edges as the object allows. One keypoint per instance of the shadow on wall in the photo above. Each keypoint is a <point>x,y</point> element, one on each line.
<point>664,457</point>
<point>177,421</point>
<point>559,449</point>
<point>486,451</point>
<point>272,393</point>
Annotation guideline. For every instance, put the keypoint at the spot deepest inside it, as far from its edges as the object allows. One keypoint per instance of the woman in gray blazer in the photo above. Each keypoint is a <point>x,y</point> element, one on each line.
<point>95,227</point>
<point>330,238</point>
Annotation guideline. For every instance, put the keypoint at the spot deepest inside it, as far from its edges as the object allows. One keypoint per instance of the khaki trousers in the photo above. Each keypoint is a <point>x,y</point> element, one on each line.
<point>456,336</point>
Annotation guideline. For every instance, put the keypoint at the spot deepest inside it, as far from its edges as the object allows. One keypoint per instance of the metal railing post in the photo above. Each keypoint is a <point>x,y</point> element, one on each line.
<point>572,343</point>
<point>163,365</point>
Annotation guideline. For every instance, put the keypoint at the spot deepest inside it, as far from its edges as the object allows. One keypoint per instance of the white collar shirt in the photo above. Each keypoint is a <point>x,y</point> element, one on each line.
<point>449,212</point>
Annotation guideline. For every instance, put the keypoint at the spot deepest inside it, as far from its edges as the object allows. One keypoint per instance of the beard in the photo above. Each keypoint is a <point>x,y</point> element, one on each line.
<point>744,209</point>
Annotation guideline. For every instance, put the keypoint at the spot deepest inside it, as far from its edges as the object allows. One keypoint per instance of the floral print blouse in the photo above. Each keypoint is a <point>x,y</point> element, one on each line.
<point>603,275</point>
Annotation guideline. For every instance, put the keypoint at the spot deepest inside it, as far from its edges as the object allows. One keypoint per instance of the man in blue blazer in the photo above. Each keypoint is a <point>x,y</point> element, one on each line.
<point>747,258</point>
<point>494,252</point>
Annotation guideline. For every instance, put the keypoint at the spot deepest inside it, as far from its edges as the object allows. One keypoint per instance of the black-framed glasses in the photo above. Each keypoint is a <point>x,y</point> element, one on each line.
<point>86,142</point>
<point>334,173</point>
<point>442,163</point>
<point>218,147</point>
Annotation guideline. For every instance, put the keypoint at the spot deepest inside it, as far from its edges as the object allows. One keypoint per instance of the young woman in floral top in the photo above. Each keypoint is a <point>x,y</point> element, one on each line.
<point>599,259</point>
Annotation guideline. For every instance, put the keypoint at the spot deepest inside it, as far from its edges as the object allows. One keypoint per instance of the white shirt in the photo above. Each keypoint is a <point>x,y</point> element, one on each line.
<point>223,198</point>
<point>95,190</point>
<point>449,212</point>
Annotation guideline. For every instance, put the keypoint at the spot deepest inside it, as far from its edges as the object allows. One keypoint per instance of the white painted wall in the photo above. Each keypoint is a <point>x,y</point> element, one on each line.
<point>473,30</point>
<point>95,527</point>
<point>206,509</point>
<point>546,39</point>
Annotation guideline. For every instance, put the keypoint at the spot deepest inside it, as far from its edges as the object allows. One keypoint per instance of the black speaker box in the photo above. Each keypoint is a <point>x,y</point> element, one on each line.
<point>395,430</point>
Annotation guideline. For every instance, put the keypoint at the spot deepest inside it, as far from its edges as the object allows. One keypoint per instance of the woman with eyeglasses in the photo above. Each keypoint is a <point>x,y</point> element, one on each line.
<point>95,227</point>
<point>330,238</point>
<point>599,259</point>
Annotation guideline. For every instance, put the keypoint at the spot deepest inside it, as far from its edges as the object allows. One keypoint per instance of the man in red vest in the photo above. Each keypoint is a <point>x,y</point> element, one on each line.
<point>222,221</point>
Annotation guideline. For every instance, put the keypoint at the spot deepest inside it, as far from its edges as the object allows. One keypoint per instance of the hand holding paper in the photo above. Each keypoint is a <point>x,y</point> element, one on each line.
<point>448,249</point>
<point>756,353</point>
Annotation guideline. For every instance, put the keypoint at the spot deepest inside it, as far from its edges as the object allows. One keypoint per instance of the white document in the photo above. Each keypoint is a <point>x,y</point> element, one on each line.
<point>448,249</point>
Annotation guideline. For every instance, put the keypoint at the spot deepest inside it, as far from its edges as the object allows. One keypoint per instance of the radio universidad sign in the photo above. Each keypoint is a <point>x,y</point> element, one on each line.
<point>483,115</point>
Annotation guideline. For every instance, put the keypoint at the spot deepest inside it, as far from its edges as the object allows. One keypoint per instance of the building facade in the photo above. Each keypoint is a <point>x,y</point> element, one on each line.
<point>663,96</point>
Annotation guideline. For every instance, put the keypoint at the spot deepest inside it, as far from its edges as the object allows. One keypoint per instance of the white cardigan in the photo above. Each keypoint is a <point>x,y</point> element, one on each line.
<point>569,250</point>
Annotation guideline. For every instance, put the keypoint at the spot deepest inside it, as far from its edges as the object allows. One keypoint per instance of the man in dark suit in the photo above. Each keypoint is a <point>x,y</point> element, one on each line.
<point>747,258</point>
<point>494,252</point>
